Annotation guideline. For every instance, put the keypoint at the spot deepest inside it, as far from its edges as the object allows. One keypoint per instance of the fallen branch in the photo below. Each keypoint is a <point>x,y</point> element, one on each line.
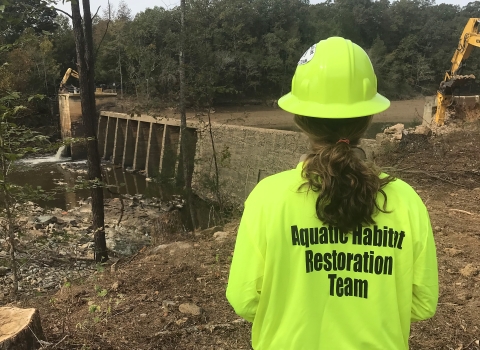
<point>433,176</point>
<point>122,209</point>
<point>473,341</point>
<point>461,211</point>
<point>208,327</point>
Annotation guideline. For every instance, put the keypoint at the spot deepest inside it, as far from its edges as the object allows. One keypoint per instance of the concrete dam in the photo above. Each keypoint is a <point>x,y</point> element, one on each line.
<point>243,155</point>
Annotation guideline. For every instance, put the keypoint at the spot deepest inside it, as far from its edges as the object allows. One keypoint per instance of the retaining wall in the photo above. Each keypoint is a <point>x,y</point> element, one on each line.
<point>244,156</point>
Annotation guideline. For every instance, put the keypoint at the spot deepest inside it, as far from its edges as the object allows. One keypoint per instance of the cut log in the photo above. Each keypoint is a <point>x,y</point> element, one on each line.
<point>20,329</point>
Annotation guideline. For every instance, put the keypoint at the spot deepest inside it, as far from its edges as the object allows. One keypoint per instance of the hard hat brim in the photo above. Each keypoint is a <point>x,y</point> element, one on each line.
<point>293,104</point>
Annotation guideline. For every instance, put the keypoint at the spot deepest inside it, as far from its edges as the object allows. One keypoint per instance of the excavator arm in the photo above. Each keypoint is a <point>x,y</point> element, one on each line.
<point>70,72</point>
<point>469,39</point>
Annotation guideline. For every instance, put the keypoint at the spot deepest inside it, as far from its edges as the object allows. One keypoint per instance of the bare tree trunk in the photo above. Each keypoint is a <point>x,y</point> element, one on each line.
<point>183,117</point>
<point>121,75</point>
<point>84,47</point>
<point>13,260</point>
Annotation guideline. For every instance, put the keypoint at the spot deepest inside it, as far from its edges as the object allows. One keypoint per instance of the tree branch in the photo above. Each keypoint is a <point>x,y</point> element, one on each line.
<point>104,34</point>
<point>60,10</point>
<point>95,15</point>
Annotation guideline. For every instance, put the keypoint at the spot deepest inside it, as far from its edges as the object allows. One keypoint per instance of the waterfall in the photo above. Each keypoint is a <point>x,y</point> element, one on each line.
<point>61,153</point>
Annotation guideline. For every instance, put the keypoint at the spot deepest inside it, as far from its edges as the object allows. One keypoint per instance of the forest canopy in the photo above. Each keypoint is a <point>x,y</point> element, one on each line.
<point>236,49</point>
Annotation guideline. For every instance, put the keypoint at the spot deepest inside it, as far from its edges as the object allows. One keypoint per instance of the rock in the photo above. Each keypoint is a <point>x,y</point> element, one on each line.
<point>453,251</point>
<point>3,271</point>
<point>469,270</point>
<point>423,130</point>
<point>20,328</point>
<point>49,285</point>
<point>46,219</point>
<point>85,209</point>
<point>172,247</point>
<point>209,231</point>
<point>61,221</point>
<point>143,315</point>
<point>167,303</point>
<point>396,129</point>
<point>220,235</point>
<point>398,137</point>
<point>181,321</point>
<point>381,137</point>
<point>86,246</point>
<point>190,309</point>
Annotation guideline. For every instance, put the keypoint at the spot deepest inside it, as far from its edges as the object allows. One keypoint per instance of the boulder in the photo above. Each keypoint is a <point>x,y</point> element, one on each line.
<point>190,309</point>
<point>423,130</point>
<point>396,129</point>
<point>20,329</point>
<point>220,235</point>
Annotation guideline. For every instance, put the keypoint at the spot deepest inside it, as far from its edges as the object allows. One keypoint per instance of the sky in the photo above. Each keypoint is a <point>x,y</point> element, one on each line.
<point>140,5</point>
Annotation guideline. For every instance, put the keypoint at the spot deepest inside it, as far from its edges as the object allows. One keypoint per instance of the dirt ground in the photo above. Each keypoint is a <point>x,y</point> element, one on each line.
<point>135,305</point>
<point>275,118</point>
<point>263,116</point>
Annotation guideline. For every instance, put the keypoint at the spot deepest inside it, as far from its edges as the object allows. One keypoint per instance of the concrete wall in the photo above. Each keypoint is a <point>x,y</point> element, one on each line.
<point>245,155</point>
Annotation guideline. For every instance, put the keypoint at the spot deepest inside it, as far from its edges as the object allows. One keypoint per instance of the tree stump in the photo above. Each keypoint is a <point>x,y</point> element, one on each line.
<point>20,329</point>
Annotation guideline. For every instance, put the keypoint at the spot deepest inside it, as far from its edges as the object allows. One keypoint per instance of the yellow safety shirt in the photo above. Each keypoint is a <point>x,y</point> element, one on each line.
<point>308,286</point>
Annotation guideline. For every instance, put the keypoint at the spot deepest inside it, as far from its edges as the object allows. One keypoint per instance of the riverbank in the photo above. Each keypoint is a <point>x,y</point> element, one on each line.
<point>56,246</point>
<point>171,295</point>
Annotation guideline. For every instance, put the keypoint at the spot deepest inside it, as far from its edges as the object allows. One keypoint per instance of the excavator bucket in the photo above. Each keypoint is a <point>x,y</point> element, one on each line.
<point>447,87</point>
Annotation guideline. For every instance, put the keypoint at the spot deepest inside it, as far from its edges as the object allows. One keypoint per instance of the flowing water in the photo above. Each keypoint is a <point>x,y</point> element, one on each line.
<point>49,174</point>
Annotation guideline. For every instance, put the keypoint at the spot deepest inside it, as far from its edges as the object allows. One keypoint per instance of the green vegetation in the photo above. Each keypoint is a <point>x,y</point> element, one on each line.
<point>235,50</point>
<point>248,49</point>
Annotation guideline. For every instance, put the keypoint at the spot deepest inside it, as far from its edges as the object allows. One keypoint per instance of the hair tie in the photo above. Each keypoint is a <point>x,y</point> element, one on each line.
<point>347,141</point>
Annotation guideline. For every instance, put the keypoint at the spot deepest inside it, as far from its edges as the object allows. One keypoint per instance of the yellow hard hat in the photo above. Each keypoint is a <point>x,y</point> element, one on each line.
<point>334,79</point>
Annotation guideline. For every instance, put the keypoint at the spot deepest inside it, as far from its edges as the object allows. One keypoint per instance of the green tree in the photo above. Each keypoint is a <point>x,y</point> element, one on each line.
<point>23,14</point>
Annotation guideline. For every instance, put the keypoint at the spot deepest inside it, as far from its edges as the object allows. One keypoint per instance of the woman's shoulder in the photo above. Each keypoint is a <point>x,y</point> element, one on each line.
<point>402,190</point>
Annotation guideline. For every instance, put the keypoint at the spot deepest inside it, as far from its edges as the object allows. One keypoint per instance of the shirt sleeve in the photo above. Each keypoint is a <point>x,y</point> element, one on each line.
<point>425,276</point>
<point>246,272</point>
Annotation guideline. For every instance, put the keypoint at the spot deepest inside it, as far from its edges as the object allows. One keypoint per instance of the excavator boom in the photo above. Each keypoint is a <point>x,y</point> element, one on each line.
<point>70,72</point>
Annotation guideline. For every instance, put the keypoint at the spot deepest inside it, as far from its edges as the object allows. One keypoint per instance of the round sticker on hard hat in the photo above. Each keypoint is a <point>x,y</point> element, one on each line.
<point>308,55</point>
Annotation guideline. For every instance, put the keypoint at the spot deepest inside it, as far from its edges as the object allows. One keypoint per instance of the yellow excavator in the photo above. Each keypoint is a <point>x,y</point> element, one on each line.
<point>470,38</point>
<point>69,73</point>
